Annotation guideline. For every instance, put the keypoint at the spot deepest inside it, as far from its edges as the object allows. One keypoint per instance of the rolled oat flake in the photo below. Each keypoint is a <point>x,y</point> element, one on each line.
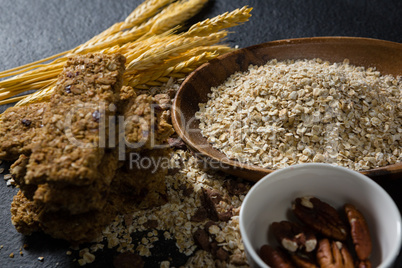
<point>301,111</point>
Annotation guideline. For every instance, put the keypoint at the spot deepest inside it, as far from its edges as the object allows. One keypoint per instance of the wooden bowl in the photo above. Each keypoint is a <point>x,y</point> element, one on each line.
<point>385,56</point>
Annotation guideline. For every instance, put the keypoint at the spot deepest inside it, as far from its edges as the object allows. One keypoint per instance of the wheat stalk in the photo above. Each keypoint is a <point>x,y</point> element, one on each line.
<point>133,27</point>
<point>29,66</point>
<point>176,14</point>
<point>104,41</point>
<point>12,100</point>
<point>143,12</point>
<point>171,16</point>
<point>226,20</point>
<point>156,54</point>
<point>146,38</point>
<point>152,75</point>
<point>179,71</point>
<point>176,65</point>
<point>178,68</point>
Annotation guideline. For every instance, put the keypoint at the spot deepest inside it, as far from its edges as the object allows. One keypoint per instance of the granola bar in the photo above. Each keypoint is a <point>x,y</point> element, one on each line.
<point>78,199</point>
<point>146,123</point>
<point>18,126</point>
<point>24,214</point>
<point>27,216</point>
<point>69,146</point>
<point>71,191</point>
<point>18,171</point>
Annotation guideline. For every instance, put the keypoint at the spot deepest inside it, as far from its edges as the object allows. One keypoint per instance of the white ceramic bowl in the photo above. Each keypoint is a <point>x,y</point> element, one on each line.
<point>270,200</point>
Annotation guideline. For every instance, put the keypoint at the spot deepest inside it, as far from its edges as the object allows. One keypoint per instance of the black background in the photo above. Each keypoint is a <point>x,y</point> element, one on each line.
<point>33,29</point>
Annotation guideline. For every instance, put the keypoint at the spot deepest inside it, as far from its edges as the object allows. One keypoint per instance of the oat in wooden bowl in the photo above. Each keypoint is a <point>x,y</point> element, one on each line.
<point>289,112</point>
<point>298,108</point>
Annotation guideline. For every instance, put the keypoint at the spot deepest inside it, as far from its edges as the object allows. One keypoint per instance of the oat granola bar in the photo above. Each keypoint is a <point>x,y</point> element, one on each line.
<point>78,199</point>
<point>54,196</point>
<point>69,146</point>
<point>146,123</point>
<point>77,212</point>
<point>27,216</point>
<point>18,171</point>
<point>18,126</point>
<point>24,214</point>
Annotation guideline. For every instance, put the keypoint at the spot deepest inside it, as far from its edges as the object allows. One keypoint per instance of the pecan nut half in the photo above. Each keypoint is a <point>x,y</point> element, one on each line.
<point>359,232</point>
<point>293,236</point>
<point>320,217</point>
<point>303,262</point>
<point>275,258</point>
<point>333,255</point>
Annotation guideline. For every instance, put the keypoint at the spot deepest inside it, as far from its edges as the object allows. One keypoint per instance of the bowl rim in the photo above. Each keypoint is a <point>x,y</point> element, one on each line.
<point>201,152</point>
<point>272,178</point>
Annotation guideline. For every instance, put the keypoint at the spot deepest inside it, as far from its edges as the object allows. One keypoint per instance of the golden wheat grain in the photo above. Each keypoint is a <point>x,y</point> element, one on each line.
<point>179,72</point>
<point>146,10</point>
<point>155,74</point>
<point>29,66</point>
<point>224,21</point>
<point>12,100</point>
<point>104,41</point>
<point>140,14</point>
<point>173,15</point>
<point>153,57</point>
<point>156,55</point>
<point>134,49</point>
<point>143,12</point>
<point>176,14</point>
<point>178,64</point>
<point>132,27</point>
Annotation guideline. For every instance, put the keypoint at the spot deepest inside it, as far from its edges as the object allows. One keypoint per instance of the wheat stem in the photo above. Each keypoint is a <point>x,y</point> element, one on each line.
<point>154,53</point>
<point>12,100</point>
<point>157,54</point>
<point>29,66</point>
<point>176,14</point>
<point>169,68</point>
<point>220,22</point>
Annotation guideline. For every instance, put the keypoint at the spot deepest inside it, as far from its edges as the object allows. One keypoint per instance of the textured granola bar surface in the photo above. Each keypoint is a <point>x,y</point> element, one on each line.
<point>69,147</point>
<point>18,126</point>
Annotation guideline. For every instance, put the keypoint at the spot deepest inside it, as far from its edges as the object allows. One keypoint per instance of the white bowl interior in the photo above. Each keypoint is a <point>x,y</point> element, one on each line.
<point>270,200</point>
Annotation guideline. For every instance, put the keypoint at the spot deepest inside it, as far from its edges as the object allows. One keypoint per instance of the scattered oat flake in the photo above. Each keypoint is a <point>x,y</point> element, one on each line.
<point>7,176</point>
<point>1,170</point>
<point>41,258</point>
<point>165,264</point>
<point>81,262</point>
<point>173,220</point>
<point>11,255</point>
<point>89,257</point>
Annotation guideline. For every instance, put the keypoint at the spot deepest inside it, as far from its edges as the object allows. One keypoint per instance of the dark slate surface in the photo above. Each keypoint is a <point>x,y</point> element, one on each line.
<point>32,30</point>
